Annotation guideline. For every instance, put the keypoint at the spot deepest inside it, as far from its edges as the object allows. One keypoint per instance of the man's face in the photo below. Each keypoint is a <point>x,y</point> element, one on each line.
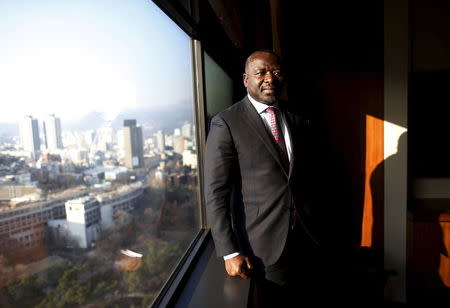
<point>263,78</point>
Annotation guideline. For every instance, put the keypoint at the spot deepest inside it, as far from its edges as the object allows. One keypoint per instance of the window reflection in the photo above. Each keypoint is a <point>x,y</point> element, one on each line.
<point>98,160</point>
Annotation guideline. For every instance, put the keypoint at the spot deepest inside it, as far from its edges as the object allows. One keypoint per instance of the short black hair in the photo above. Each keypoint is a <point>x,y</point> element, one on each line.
<point>249,58</point>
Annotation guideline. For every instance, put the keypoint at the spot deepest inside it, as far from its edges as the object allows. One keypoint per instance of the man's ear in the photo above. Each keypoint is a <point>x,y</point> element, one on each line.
<point>245,79</point>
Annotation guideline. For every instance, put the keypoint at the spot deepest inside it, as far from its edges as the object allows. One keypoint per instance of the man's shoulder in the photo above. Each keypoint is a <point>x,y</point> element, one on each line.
<point>294,113</point>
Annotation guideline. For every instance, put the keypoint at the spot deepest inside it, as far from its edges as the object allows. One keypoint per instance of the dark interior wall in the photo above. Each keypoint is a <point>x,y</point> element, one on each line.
<point>429,94</point>
<point>429,151</point>
<point>335,56</point>
<point>430,35</point>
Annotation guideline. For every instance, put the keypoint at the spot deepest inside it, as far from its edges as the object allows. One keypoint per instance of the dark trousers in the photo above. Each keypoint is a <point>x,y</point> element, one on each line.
<point>304,274</point>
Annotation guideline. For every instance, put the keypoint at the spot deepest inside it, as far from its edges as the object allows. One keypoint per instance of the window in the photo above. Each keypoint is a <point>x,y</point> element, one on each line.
<point>100,125</point>
<point>218,88</point>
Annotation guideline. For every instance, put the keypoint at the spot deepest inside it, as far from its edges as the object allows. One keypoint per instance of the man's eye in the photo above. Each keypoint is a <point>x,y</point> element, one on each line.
<point>277,73</point>
<point>259,73</point>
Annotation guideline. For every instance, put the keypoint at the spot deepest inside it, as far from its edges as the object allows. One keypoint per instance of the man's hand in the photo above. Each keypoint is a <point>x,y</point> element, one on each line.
<point>238,266</point>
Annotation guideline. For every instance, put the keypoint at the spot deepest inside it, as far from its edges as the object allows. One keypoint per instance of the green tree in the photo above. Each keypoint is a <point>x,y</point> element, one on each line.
<point>55,272</point>
<point>68,279</point>
<point>76,295</point>
<point>27,291</point>
<point>134,281</point>
<point>104,287</point>
<point>50,301</point>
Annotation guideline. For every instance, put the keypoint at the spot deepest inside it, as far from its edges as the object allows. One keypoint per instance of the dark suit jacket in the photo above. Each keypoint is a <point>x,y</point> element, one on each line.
<point>242,156</point>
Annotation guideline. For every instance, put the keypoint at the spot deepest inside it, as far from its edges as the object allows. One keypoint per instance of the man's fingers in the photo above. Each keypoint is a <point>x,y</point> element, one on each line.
<point>238,266</point>
<point>238,272</point>
<point>243,270</point>
<point>248,263</point>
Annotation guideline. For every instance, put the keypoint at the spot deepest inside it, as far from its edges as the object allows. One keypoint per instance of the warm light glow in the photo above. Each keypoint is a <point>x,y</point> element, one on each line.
<point>373,157</point>
<point>392,136</point>
<point>382,139</point>
<point>444,269</point>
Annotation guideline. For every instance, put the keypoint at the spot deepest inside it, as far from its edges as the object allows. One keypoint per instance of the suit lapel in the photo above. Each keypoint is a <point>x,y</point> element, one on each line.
<point>256,123</point>
<point>299,130</point>
<point>290,125</point>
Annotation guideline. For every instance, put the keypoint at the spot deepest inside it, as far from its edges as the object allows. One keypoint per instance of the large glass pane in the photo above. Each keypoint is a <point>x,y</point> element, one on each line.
<point>98,163</point>
<point>218,88</point>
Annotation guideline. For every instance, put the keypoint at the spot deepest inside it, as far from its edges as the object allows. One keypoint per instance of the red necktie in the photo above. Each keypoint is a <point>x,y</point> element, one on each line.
<point>279,139</point>
<point>278,135</point>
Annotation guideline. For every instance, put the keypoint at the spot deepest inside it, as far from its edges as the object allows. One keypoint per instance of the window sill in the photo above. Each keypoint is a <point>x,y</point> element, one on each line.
<point>203,282</point>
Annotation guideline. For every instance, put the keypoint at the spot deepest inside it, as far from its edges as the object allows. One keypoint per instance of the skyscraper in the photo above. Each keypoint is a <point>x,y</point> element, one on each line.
<point>160,141</point>
<point>133,145</point>
<point>52,131</point>
<point>29,135</point>
<point>186,130</point>
<point>178,144</point>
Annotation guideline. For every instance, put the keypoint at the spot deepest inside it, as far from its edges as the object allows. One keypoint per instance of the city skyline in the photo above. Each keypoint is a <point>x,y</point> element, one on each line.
<point>128,139</point>
<point>98,151</point>
<point>162,119</point>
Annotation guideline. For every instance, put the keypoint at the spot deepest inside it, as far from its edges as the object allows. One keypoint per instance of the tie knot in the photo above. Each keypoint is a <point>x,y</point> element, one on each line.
<point>271,110</point>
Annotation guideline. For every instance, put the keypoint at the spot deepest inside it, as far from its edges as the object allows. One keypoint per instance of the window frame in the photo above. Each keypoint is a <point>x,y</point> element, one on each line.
<point>189,22</point>
<point>179,275</point>
<point>186,264</point>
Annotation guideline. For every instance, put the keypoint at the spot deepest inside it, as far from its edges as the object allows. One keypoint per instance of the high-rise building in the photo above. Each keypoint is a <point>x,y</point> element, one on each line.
<point>52,131</point>
<point>178,144</point>
<point>29,136</point>
<point>45,135</point>
<point>133,145</point>
<point>160,141</point>
<point>186,130</point>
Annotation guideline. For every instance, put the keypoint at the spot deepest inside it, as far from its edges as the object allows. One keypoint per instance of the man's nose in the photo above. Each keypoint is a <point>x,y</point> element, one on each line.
<point>268,77</point>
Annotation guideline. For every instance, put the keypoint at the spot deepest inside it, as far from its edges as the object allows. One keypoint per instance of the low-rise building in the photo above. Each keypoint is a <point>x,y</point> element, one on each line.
<point>83,220</point>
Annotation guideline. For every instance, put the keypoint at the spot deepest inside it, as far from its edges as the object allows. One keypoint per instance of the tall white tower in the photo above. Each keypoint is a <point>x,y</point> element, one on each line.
<point>160,141</point>
<point>186,130</point>
<point>29,135</point>
<point>52,130</point>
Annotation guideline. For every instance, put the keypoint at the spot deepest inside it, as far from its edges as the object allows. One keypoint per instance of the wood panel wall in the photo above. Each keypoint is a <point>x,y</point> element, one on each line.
<point>429,258</point>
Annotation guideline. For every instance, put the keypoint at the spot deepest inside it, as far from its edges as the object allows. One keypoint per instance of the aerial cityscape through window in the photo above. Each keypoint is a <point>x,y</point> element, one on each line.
<point>98,159</point>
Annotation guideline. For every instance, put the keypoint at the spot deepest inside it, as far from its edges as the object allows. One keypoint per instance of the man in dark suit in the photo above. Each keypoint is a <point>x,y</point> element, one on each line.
<point>257,157</point>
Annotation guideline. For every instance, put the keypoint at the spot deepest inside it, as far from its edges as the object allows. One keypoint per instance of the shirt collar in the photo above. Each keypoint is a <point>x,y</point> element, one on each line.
<point>260,107</point>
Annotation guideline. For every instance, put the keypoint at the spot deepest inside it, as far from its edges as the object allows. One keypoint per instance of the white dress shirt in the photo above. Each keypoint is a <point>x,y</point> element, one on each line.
<point>261,109</point>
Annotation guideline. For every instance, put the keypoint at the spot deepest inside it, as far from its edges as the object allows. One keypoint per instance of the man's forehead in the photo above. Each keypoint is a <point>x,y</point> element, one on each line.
<point>258,61</point>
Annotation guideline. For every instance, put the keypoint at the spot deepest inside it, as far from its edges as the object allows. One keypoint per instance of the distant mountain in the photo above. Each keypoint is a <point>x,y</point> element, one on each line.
<point>92,120</point>
<point>164,118</point>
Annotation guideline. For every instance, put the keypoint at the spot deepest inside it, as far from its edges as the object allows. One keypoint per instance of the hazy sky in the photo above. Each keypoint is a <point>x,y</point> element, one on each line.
<point>73,57</point>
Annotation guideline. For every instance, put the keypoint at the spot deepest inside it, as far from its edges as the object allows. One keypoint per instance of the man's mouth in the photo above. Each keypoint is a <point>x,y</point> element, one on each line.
<point>269,90</point>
